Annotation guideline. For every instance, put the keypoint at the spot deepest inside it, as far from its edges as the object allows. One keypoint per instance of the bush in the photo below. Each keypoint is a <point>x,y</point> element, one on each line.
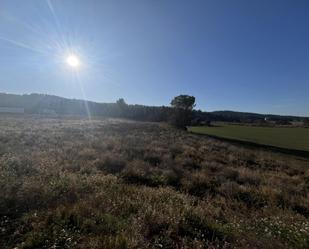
<point>196,227</point>
<point>252,199</point>
<point>110,165</point>
<point>198,184</point>
<point>139,172</point>
<point>17,166</point>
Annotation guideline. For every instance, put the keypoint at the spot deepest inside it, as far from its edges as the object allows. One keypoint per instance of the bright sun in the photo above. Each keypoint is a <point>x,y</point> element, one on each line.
<point>73,61</point>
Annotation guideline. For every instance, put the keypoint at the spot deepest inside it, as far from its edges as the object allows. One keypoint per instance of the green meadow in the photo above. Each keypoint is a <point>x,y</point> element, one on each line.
<point>290,138</point>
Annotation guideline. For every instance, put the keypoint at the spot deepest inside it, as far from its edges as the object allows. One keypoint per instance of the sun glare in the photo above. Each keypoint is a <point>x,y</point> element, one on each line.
<point>73,61</point>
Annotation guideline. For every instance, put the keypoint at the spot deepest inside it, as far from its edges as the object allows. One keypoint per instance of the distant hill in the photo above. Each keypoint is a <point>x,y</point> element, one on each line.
<point>49,104</point>
<point>250,117</point>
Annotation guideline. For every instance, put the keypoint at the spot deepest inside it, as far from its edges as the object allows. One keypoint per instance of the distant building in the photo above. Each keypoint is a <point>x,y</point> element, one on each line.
<point>12,110</point>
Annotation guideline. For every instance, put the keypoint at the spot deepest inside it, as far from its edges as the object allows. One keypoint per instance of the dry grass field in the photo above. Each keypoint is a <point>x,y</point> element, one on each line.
<point>75,183</point>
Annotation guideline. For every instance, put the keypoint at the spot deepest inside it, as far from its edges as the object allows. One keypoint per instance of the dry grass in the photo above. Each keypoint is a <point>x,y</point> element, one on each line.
<point>74,183</point>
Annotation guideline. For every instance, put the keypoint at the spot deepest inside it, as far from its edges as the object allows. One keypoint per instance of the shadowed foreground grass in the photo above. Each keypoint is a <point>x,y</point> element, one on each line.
<point>74,183</point>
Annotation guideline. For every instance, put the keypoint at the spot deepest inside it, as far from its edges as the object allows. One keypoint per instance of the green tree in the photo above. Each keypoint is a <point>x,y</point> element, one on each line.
<point>183,106</point>
<point>121,102</point>
<point>184,102</point>
<point>122,107</point>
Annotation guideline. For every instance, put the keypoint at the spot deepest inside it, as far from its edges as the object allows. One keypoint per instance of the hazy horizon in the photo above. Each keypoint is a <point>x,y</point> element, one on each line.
<point>168,104</point>
<point>240,56</point>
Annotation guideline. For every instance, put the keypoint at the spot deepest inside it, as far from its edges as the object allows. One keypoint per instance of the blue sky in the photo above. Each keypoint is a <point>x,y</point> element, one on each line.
<point>231,55</point>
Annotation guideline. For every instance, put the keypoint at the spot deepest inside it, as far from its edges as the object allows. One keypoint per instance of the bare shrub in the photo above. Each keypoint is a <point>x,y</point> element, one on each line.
<point>110,165</point>
<point>249,177</point>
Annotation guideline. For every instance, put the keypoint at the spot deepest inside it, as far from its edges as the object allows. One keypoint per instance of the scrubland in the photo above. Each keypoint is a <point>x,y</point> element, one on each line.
<point>105,183</point>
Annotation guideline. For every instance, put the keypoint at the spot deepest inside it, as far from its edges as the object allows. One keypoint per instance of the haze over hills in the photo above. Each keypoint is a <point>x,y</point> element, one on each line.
<point>49,104</point>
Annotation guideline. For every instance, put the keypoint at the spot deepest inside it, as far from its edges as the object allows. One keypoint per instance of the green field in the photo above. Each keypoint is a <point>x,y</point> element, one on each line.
<point>290,138</point>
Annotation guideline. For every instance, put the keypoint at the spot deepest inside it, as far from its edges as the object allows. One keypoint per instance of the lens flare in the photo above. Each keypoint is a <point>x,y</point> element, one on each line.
<point>73,61</point>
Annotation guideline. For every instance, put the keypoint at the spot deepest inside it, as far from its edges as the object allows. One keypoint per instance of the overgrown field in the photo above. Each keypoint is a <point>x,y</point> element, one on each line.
<point>74,183</point>
<point>290,138</point>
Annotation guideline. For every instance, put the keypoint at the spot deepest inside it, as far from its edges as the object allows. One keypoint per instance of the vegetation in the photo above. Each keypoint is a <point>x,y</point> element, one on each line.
<point>106,183</point>
<point>48,104</point>
<point>290,138</point>
<point>182,110</point>
<point>245,117</point>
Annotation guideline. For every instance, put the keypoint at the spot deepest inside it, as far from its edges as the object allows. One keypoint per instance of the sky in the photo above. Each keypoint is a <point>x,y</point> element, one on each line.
<point>231,55</point>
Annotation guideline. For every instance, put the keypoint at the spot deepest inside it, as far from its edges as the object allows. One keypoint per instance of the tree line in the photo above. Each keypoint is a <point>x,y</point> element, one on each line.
<point>180,113</point>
